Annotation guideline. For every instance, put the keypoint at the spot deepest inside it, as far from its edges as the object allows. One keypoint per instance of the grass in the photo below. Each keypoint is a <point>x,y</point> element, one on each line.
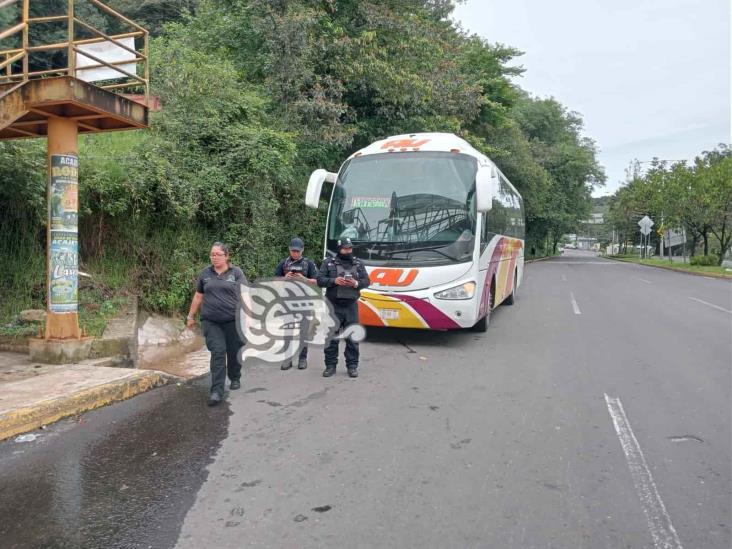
<point>94,313</point>
<point>113,277</point>
<point>684,267</point>
<point>100,299</point>
<point>15,330</point>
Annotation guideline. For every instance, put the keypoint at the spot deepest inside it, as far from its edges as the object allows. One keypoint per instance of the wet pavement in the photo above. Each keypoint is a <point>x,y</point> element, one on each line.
<point>120,477</point>
<point>502,439</point>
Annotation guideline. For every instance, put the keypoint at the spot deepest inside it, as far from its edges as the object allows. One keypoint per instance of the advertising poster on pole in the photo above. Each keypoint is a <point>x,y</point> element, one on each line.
<point>64,194</point>
<point>63,275</point>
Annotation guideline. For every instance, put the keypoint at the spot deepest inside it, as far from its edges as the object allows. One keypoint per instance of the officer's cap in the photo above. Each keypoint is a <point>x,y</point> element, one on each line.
<point>297,244</point>
<point>345,243</point>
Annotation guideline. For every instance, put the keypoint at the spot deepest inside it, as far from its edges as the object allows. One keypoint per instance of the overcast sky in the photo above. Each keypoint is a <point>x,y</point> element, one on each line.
<point>651,78</point>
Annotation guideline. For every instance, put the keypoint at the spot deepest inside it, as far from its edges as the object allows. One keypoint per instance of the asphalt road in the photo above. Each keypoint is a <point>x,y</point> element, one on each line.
<point>595,413</point>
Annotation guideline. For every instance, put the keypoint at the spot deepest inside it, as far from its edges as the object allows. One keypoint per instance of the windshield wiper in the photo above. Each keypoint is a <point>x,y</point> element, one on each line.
<point>423,249</point>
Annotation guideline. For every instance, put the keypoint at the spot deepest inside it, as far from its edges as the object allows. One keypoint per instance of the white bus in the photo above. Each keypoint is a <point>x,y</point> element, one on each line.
<point>438,226</point>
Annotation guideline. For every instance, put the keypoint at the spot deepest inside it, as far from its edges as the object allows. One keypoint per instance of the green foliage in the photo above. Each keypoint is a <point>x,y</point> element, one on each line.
<point>154,14</point>
<point>705,260</point>
<point>22,214</point>
<point>176,294</point>
<point>18,330</point>
<point>695,197</point>
<point>96,308</point>
<point>258,93</point>
<point>690,267</point>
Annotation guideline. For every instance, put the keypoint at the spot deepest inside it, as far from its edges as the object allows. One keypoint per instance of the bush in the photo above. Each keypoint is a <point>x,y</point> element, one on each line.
<point>174,296</point>
<point>710,260</point>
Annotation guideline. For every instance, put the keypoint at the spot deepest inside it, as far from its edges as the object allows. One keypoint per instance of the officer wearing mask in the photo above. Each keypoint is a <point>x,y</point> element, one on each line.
<point>297,267</point>
<point>343,276</point>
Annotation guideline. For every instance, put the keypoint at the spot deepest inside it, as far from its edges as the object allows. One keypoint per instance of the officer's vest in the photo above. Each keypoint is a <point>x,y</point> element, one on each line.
<point>304,261</point>
<point>346,292</point>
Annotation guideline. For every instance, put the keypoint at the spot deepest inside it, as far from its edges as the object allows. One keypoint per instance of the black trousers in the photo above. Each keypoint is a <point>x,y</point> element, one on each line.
<point>346,315</point>
<point>305,327</point>
<point>223,340</point>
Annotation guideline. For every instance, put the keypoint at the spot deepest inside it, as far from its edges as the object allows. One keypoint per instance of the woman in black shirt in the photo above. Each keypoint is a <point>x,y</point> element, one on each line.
<point>218,290</point>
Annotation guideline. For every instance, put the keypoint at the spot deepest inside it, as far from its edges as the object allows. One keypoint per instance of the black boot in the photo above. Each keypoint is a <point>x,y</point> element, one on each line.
<point>286,366</point>
<point>214,399</point>
<point>302,363</point>
<point>352,372</point>
<point>329,371</point>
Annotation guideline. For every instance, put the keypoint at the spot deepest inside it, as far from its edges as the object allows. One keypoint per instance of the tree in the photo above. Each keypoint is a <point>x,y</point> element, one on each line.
<point>556,143</point>
<point>697,197</point>
<point>713,172</point>
<point>258,93</point>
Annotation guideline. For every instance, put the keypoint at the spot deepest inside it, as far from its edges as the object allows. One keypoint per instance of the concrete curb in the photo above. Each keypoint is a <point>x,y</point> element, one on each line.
<point>14,344</point>
<point>708,275</point>
<point>540,258</point>
<point>21,420</point>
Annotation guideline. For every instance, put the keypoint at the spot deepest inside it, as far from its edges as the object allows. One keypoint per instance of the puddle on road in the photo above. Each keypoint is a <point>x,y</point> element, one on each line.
<point>174,360</point>
<point>119,477</point>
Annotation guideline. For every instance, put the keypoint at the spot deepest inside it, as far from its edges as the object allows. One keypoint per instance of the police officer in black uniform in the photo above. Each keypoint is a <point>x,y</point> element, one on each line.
<point>343,276</point>
<point>297,267</point>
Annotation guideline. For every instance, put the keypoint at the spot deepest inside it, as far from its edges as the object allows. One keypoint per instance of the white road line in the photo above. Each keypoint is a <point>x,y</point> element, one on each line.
<point>574,304</point>
<point>659,523</point>
<point>711,305</point>
<point>644,280</point>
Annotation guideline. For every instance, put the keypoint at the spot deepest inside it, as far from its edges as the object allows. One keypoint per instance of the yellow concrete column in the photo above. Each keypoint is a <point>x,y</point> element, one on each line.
<point>62,236</point>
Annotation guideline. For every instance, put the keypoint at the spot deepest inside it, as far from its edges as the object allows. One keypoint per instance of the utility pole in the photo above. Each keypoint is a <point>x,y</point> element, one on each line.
<point>660,233</point>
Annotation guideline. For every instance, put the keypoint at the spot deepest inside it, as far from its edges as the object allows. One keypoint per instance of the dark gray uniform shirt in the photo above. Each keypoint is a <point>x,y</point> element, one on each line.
<point>220,293</point>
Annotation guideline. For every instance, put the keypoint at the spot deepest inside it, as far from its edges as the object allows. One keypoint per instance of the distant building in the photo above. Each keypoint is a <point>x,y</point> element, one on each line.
<point>579,242</point>
<point>595,219</point>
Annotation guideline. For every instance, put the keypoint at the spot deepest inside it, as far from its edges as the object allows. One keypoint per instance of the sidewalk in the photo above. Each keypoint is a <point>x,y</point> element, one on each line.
<point>33,394</point>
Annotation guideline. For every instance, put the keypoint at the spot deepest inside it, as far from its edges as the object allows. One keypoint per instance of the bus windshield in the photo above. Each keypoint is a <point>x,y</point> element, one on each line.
<point>410,207</point>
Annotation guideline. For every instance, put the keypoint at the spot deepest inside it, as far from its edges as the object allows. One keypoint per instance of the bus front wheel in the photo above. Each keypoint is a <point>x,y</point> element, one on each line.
<point>482,324</point>
<point>510,300</point>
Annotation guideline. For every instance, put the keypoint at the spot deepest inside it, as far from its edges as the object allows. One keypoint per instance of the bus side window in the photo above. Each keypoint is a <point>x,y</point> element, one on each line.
<point>509,201</point>
<point>494,221</point>
<point>338,212</point>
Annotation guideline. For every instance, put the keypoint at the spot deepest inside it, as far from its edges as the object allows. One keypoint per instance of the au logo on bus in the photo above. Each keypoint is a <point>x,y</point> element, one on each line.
<point>393,277</point>
<point>404,143</point>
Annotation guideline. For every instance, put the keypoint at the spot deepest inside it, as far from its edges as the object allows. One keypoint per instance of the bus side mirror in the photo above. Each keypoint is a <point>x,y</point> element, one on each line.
<point>485,181</point>
<point>315,186</point>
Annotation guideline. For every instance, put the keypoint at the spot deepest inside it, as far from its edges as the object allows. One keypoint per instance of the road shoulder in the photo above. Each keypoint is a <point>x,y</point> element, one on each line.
<point>682,271</point>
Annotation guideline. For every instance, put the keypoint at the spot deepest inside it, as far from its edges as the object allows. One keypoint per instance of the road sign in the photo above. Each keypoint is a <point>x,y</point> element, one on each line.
<point>646,222</point>
<point>645,225</point>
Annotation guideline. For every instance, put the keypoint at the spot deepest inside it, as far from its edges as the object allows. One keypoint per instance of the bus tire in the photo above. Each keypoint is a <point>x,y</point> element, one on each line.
<point>482,325</point>
<point>510,300</point>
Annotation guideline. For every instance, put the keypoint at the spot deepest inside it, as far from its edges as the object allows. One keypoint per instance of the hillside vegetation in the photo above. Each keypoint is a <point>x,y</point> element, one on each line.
<point>256,94</point>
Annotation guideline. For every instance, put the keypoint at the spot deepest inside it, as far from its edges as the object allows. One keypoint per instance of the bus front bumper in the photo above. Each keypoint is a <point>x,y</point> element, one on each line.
<point>415,311</point>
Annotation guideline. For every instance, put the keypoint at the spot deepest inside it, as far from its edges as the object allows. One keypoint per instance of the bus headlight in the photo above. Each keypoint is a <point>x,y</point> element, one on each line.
<point>464,291</point>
